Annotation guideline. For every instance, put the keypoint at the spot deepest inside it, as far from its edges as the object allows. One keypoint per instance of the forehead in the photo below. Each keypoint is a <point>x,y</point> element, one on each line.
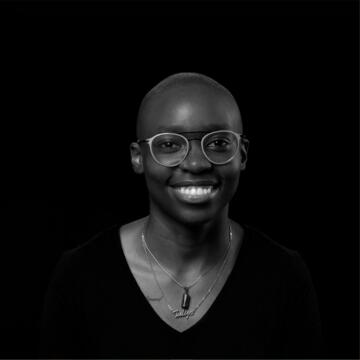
<point>188,108</point>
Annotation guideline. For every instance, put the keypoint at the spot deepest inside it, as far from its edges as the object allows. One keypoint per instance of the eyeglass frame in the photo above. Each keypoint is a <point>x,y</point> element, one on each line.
<point>240,137</point>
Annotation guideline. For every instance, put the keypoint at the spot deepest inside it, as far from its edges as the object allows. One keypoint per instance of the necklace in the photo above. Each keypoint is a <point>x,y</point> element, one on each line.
<point>186,298</point>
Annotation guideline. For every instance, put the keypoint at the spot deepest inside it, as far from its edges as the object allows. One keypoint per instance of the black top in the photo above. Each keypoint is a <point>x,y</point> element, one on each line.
<point>95,309</point>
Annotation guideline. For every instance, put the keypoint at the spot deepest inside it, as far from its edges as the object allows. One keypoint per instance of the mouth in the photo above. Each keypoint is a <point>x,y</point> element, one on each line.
<point>195,193</point>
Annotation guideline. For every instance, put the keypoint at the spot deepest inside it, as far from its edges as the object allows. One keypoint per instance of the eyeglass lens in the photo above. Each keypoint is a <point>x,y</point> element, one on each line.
<point>171,149</point>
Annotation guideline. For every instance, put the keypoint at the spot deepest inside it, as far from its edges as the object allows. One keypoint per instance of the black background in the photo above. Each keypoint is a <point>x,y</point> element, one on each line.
<point>74,75</point>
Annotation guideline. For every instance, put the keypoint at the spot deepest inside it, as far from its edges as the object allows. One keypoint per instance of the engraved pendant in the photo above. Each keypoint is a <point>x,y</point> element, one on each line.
<point>182,313</point>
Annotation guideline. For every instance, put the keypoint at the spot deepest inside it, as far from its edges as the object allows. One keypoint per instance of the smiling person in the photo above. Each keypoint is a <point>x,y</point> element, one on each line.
<point>186,281</point>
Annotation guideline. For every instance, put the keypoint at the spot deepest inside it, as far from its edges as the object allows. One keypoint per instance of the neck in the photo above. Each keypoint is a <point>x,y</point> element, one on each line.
<point>187,248</point>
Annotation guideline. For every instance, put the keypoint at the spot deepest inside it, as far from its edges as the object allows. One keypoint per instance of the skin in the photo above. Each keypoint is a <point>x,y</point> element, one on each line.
<point>186,238</point>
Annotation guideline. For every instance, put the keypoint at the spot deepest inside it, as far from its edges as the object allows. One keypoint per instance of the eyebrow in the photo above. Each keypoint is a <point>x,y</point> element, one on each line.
<point>181,129</point>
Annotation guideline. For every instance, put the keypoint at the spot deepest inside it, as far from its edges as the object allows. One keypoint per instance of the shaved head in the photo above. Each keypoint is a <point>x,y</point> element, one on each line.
<point>181,92</point>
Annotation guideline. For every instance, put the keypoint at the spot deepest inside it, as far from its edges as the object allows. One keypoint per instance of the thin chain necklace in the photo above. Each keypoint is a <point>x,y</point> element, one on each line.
<point>186,299</point>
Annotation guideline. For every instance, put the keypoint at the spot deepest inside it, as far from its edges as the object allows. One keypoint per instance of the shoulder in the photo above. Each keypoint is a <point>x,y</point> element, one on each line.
<point>99,252</point>
<point>100,244</point>
<point>275,260</point>
<point>265,246</point>
<point>103,251</point>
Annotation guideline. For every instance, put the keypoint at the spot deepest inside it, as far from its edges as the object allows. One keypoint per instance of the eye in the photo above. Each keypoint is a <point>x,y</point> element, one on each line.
<point>168,146</point>
<point>218,144</point>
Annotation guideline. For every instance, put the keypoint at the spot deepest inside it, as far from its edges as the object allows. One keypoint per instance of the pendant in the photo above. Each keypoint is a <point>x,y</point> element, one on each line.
<point>185,303</point>
<point>181,313</point>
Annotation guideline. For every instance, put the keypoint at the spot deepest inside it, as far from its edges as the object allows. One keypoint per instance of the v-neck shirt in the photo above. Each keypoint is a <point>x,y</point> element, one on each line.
<point>266,309</point>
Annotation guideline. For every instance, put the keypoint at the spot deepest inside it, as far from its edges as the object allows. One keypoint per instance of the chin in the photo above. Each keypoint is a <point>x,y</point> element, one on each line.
<point>194,217</point>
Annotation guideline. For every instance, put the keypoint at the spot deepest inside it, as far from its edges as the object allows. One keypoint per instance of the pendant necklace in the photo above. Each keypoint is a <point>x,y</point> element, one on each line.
<point>186,298</point>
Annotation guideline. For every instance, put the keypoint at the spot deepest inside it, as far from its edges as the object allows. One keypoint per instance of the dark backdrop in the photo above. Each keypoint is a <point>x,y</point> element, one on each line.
<point>74,75</point>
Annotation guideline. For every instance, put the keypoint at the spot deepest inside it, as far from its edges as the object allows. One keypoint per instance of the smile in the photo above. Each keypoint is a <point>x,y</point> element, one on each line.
<point>195,194</point>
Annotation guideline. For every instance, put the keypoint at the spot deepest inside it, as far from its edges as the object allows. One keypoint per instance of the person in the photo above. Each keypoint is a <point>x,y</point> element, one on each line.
<point>186,281</point>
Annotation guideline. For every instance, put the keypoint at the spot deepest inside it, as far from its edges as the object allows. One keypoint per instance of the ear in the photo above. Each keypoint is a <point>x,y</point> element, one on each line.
<point>136,158</point>
<point>244,148</point>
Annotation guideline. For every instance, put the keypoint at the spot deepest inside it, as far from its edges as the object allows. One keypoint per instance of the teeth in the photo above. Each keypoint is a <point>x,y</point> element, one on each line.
<point>195,190</point>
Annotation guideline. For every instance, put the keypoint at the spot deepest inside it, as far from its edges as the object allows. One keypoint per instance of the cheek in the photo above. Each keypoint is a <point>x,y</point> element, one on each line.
<point>230,176</point>
<point>156,176</point>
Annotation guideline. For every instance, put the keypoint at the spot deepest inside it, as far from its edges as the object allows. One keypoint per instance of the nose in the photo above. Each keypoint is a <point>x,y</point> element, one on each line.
<point>195,160</point>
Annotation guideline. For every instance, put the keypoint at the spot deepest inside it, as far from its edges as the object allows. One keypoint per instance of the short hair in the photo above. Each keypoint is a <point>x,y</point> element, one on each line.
<point>182,78</point>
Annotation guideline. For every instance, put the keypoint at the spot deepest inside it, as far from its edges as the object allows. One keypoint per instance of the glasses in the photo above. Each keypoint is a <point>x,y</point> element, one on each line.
<point>171,149</point>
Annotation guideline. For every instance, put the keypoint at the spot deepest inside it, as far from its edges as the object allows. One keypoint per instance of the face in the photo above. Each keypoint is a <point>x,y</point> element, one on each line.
<point>195,191</point>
